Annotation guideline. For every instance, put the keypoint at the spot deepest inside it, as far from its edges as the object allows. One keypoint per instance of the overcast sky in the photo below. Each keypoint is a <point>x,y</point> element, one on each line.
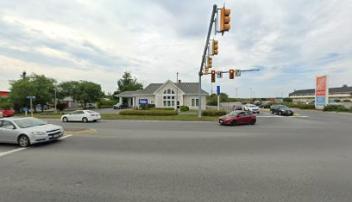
<point>291,41</point>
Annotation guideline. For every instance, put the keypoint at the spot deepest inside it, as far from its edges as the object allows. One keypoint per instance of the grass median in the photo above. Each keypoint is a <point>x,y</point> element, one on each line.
<point>115,116</point>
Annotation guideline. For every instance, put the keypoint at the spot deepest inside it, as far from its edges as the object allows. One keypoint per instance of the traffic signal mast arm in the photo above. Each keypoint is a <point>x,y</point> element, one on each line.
<point>244,70</point>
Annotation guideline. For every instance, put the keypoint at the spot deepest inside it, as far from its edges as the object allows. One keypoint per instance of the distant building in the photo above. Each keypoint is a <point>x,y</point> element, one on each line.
<point>339,94</point>
<point>164,95</point>
<point>4,94</point>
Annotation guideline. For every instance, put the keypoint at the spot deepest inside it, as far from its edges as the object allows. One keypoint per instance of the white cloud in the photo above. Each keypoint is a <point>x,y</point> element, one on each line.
<point>98,40</point>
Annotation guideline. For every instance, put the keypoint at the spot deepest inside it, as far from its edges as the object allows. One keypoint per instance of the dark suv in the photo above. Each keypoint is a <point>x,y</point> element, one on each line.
<point>281,110</point>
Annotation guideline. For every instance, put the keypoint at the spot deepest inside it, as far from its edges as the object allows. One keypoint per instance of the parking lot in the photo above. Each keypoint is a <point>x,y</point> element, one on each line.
<point>307,157</point>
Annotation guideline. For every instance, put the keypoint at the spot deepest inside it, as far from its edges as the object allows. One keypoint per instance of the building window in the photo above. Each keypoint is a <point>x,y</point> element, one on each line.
<point>195,102</point>
<point>169,98</point>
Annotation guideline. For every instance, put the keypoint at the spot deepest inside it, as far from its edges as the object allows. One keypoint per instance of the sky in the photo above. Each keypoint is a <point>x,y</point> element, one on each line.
<point>290,41</point>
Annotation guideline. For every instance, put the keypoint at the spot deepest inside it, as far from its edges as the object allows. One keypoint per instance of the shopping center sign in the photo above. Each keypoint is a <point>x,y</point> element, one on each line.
<point>321,92</point>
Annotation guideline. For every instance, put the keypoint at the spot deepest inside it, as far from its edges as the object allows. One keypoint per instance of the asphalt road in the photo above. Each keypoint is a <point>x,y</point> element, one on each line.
<point>305,158</point>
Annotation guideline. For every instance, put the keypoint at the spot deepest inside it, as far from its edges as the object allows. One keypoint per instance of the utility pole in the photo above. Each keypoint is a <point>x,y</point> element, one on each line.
<point>55,101</point>
<point>177,92</point>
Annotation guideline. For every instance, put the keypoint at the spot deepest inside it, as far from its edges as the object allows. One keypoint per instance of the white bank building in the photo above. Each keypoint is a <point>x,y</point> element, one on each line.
<point>165,95</point>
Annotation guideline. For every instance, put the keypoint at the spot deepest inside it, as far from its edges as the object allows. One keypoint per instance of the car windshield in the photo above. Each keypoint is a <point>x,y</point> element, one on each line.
<point>29,122</point>
<point>233,113</point>
<point>251,105</point>
<point>283,107</point>
<point>91,112</point>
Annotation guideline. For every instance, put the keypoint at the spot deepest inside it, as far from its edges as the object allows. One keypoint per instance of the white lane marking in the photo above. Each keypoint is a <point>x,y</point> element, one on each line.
<point>12,151</point>
<point>20,149</point>
<point>64,137</point>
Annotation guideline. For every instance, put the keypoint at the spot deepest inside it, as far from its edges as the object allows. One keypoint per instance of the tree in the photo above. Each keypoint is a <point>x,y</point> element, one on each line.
<point>212,100</point>
<point>82,91</point>
<point>34,85</point>
<point>127,83</point>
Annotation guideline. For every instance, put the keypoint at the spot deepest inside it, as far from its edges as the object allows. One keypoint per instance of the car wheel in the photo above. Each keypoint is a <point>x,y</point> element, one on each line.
<point>23,141</point>
<point>85,120</point>
<point>234,123</point>
<point>221,122</point>
<point>280,113</point>
<point>252,122</point>
<point>64,119</point>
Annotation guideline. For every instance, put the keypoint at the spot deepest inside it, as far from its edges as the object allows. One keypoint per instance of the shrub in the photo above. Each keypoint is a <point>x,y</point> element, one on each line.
<point>212,112</point>
<point>184,108</point>
<point>167,109</point>
<point>336,108</point>
<point>149,112</point>
<point>147,106</point>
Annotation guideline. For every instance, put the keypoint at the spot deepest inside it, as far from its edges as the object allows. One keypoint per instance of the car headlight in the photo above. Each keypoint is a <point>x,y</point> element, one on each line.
<point>38,133</point>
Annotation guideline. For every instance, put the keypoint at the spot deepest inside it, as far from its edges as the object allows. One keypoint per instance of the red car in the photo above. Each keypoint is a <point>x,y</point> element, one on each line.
<point>238,118</point>
<point>7,112</point>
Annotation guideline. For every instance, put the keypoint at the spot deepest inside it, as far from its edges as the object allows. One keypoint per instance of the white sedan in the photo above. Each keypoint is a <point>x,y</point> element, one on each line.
<point>81,115</point>
<point>28,131</point>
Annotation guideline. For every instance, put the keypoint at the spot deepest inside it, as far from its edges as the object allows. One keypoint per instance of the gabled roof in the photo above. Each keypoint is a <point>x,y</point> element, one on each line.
<point>189,88</point>
<point>339,90</point>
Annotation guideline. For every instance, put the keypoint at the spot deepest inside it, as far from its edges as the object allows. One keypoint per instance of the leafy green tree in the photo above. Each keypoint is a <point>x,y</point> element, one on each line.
<point>34,85</point>
<point>212,99</point>
<point>82,91</point>
<point>127,83</point>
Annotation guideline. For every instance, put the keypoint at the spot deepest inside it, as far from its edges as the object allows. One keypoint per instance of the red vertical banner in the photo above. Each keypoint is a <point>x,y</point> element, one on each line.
<point>321,86</point>
<point>321,92</point>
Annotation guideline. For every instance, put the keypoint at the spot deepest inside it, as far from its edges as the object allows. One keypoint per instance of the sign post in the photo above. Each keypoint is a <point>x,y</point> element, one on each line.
<point>321,92</point>
<point>218,93</point>
<point>31,103</point>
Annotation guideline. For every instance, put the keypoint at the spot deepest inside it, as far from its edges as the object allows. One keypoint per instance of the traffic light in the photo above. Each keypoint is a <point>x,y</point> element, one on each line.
<point>225,20</point>
<point>215,47</point>
<point>213,74</point>
<point>232,73</point>
<point>238,72</point>
<point>210,62</point>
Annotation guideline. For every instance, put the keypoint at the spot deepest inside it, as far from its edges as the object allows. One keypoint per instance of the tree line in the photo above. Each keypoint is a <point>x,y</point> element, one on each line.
<point>45,89</point>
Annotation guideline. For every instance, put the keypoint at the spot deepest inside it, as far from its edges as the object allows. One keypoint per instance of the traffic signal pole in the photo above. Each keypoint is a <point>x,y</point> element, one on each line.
<point>200,74</point>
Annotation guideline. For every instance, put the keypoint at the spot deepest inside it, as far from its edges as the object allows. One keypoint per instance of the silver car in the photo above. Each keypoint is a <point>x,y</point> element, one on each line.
<point>28,131</point>
<point>81,115</point>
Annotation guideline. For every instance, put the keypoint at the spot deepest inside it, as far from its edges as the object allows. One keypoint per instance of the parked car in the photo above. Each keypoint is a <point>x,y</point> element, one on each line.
<point>90,106</point>
<point>252,108</point>
<point>120,106</point>
<point>238,108</point>
<point>7,112</point>
<point>281,110</point>
<point>237,118</point>
<point>28,131</point>
<point>81,115</point>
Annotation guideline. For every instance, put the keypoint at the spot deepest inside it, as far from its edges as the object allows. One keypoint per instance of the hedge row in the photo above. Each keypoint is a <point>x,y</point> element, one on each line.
<point>149,112</point>
<point>337,108</point>
<point>301,106</point>
<point>212,112</point>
